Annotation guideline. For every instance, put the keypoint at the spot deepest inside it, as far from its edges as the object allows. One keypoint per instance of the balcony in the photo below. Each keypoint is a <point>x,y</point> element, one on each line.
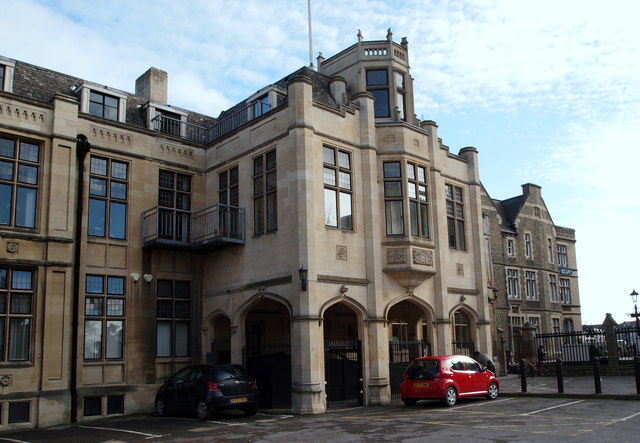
<point>211,228</point>
<point>239,117</point>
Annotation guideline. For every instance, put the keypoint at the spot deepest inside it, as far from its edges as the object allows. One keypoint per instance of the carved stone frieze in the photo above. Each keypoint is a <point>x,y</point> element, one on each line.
<point>396,256</point>
<point>460,269</point>
<point>422,257</point>
<point>109,136</point>
<point>176,151</point>
<point>22,113</point>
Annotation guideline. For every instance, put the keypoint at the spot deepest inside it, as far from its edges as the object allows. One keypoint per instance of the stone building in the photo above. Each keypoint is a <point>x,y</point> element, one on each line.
<point>534,272</point>
<point>316,232</point>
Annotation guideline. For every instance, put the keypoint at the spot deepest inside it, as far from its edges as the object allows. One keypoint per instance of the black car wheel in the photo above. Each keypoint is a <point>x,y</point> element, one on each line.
<point>251,410</point>
<point>202,410</point>
<point>160,408</point>
<point>493,391</point>
<point>451,396</point>
<point>409,401</point>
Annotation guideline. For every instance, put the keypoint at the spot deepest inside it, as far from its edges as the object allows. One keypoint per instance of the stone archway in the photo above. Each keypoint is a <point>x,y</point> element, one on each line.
<point>267,351</point>
<point>219,338</point>
<point>343,356</point>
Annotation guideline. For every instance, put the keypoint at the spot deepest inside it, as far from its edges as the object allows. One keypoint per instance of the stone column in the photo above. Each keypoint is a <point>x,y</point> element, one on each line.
<point>528,341</point>
<point>307,366</point>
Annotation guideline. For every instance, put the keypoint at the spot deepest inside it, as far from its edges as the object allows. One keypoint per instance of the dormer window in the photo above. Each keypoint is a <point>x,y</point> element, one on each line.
<point>166,120</point>
<point>103,105</point>
<point>102,102</point>
<point>168,123</point>
<point>6,74</point>
<point>261,106</point>
<point>378,86</point>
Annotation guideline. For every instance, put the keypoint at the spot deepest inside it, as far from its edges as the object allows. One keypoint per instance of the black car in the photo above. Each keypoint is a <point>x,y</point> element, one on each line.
<point>206,389</point>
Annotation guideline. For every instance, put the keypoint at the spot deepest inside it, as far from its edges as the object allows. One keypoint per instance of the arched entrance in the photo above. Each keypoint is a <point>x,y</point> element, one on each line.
<point>267,352</point>
<point>463,327</point>
<point>343,357</point>
<point>409,330</point>
<point>220,340</point>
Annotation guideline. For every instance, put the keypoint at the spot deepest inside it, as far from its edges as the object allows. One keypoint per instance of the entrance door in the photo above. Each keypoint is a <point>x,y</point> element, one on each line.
<point>343,373</point>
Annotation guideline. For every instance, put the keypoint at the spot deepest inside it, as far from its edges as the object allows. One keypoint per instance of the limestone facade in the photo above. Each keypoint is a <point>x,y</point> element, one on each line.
<point>137,238</point>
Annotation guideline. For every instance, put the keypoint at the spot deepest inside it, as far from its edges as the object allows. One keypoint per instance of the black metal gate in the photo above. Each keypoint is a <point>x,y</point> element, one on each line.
<point>272,371</point>
<point>401,352</point>
<point>343,373</point>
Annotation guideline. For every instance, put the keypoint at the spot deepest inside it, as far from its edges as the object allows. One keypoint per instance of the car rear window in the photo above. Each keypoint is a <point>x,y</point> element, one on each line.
<point>231,372</point>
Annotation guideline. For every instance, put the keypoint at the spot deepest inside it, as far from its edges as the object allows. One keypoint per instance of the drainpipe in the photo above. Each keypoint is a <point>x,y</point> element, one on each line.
<point>82,149</point>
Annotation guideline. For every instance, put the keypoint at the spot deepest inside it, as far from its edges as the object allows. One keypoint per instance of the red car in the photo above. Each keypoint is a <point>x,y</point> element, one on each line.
<point>447,378</point>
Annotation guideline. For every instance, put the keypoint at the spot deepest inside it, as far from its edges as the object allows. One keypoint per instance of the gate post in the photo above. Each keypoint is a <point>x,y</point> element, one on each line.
<point>378,388</point>
<point>612,344</point>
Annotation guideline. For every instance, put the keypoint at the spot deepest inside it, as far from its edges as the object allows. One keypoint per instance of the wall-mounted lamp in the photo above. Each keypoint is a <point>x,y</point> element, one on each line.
<point>302,273</point>
<point>135,277</point>
<point>147,278</point>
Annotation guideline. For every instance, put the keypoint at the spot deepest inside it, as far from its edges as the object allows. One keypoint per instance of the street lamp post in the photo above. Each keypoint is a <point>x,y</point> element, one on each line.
<point>634,297</point>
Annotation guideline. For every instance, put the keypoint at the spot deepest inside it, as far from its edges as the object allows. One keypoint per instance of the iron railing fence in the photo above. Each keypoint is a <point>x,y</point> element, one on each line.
<point>628,343</point>
<point>573,347</point>
<point>179,128</point>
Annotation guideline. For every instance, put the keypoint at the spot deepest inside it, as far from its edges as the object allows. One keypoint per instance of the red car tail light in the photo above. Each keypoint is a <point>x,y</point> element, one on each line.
<point>254,385</point>
<point>213,387</point>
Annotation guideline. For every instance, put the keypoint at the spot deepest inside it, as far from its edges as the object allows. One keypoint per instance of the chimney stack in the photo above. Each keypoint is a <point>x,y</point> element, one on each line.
<point>153,85</point>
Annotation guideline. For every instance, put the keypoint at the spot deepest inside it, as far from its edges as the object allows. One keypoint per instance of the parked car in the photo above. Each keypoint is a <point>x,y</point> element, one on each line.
<point>447,378</point>
<point>204,389</point>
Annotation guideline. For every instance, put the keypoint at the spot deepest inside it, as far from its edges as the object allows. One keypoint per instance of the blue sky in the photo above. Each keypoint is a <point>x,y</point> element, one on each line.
<point>548,91</point>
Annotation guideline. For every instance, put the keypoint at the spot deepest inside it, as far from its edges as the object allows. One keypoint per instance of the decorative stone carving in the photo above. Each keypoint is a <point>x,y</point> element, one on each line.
<point>341,253</point>
<point>460,269</point>
<point>423,257</point>
<point>390,138</point>
<point>416,142</point>
<point>109,136</point>
<point>176,151</point>
<point>396,256</point>
<point>22,113</point>
<point>13,247</point>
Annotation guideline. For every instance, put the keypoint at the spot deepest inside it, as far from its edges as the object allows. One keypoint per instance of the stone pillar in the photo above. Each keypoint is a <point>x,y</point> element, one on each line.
<point>379,391</point>
<point>307,366</point>
<point>528,341</point>
<point>609,325</point>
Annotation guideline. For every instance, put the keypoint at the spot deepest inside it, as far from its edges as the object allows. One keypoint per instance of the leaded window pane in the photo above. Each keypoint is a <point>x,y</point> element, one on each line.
<point>6,170</point>
<point>344,160</point>
<point>117,220</point>
<point>183,289</point>
<point>329,176</point>
<point>393,189</point>
<point>28,174</point>
<point>183,309</point>
<point>345,180</point>
<point>115,338</point>
<point>163,339</point>
<point>182,339</point>
<point>98,186</point>
<point>346,221</point>
<point>20,303</point>
<point>392,170</point>
<point>7,148</point>
<point>93,339</point>
<point>93,306</point>
<point>329,156</point>
<point>26,207</point>
<point>330,209</point>
<point>115,307</point>
<point>98,166</point>
<point>94,284</point>
<point>22,280</point>
<point>19,338</point>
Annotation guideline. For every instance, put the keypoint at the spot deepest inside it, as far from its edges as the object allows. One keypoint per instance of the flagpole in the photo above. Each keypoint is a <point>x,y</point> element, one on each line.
<point>310,32</point>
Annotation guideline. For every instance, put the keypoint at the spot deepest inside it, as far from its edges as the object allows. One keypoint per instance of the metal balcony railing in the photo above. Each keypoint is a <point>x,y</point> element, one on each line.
<point>215,226</point>
<point>173,126</point>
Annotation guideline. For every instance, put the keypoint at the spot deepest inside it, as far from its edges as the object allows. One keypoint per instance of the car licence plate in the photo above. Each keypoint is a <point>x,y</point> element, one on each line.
<point>239,400</point>
<point>421,385</point>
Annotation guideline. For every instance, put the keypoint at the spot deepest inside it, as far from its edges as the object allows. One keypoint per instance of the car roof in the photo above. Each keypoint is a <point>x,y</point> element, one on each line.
<point>441,357</point>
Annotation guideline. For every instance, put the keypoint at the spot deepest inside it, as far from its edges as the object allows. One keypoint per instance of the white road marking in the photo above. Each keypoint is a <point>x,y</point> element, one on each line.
<point>478,404</point>
<point>122,430</point>
<point>629,417</point>
<point>12,440</point>
<point>553,407</point>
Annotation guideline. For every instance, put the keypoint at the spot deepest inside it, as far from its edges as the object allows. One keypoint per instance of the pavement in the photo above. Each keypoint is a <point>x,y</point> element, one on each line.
<point>612,387</point>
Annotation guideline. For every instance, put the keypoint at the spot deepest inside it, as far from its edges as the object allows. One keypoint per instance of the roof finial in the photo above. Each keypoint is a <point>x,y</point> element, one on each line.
<point>359,36</point>
<point>389,34</point>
